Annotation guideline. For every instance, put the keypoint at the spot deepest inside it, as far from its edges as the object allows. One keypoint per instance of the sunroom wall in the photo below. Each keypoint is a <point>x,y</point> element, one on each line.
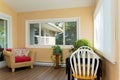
<point>86,27</point>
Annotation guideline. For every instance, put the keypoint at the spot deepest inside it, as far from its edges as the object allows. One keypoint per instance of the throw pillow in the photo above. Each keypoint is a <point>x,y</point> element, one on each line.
<point>9,49</point>
<point>17,52</point>
<point>25,51</point>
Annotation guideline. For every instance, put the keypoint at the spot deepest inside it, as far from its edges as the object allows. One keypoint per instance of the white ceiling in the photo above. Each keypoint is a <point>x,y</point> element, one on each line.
<point>35,5</point>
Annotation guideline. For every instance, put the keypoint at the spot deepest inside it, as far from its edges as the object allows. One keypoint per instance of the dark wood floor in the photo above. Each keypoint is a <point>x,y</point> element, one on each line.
<point>37,73</point>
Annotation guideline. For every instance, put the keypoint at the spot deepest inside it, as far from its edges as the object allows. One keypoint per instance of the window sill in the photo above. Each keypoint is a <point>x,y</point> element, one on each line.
<point>48,46</point>
<point>110,58</point>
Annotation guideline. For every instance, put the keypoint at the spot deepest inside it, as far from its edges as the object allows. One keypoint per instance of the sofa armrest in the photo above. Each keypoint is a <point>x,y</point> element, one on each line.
<point>9,57</point>
<point>32,55</point>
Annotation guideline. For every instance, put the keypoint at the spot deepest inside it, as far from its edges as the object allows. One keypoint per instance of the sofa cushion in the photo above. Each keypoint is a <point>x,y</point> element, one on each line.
<point>17,52</point>
<point>9,49</point>
<point>25,52</point>
<point>21,51</point>
<point>22,59</point>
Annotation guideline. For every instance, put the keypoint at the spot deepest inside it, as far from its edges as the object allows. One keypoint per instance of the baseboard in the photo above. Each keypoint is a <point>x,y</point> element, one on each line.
<point>2,64</point>
<point>46,64</point>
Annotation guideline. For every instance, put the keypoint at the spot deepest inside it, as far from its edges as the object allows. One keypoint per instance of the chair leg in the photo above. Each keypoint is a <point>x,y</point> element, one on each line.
<point>31,66</point>
<point>13,69</point>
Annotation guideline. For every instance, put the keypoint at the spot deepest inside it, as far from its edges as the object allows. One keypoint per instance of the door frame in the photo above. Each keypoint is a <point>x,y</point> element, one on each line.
<point>9,28</point>
<point>119,35</point>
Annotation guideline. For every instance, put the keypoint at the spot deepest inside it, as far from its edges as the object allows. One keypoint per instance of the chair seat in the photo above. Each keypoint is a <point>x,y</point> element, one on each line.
<point>22,59</point>
<point>84,77</point>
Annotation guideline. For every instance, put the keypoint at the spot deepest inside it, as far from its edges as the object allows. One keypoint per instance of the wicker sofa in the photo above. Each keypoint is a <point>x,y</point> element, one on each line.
<point>11,62</point>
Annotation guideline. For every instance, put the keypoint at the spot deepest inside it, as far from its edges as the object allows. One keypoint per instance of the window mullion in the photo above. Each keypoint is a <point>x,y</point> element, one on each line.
<point>64,34</point>
<point>39,33</point>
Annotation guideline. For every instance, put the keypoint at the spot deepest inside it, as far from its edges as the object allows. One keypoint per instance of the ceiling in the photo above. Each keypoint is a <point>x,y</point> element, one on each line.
<point>35,5</point>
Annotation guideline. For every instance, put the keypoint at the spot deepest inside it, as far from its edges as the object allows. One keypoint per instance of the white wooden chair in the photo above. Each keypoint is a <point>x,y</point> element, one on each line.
<point>84,63</point>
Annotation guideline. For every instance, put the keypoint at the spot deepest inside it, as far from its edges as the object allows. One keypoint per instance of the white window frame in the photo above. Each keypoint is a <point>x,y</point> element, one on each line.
<point>108,54</point>
<point>49,20</point>
<point>9,28</point>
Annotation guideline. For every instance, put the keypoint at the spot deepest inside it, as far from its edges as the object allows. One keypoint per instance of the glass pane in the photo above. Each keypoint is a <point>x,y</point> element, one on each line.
<point>59,38</point>
<point>70,32</point>
<point>59,35</point>
<point>34,33</point>
<point>49,33</point>
<point>3,33</point>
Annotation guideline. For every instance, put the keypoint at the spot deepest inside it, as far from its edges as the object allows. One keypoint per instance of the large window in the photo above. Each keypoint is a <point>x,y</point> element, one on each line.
<point>52,32</point>
<point>104,29</point>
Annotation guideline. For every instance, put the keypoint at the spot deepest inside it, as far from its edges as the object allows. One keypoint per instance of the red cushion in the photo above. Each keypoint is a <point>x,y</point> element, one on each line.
<point>9,49</point>
<point>22,59</point>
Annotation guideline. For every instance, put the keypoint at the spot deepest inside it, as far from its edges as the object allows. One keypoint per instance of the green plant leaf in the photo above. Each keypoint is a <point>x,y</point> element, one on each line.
<point>79,43</point>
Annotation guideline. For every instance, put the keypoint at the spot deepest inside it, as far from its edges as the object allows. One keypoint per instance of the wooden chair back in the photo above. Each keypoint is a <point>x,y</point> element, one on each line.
<point>84,63</point>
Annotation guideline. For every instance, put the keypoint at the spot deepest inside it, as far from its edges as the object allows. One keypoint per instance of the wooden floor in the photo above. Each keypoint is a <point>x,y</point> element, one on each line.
<point>37,73</point>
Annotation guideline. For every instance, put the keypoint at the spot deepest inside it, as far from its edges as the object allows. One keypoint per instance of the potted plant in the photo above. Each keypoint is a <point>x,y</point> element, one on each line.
<point>79,43</point>
<point>57,51</point>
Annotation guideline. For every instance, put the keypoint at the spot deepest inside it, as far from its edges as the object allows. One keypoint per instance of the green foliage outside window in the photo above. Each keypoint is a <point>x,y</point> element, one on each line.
<point>69,36</point>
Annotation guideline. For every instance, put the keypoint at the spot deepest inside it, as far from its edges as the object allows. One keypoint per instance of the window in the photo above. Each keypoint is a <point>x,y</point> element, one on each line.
<point>5,31</point>
<point>52,32</point>
<point>104,29</point>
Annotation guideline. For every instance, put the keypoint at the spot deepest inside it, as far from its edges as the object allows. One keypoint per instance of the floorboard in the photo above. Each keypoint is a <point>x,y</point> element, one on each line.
<point>37,73</point>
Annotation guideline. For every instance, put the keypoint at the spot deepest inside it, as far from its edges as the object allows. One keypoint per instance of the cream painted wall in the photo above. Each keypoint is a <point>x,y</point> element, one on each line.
<point>86,27</point>
<point>4,8</point>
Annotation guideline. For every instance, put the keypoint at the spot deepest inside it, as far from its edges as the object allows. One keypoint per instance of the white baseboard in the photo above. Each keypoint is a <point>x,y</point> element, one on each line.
<point>46,64</point>
<point>2,64</point>
<point>43,63</point>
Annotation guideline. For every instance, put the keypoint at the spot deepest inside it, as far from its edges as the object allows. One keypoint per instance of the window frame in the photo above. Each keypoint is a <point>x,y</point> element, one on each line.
<point>77,19</point>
